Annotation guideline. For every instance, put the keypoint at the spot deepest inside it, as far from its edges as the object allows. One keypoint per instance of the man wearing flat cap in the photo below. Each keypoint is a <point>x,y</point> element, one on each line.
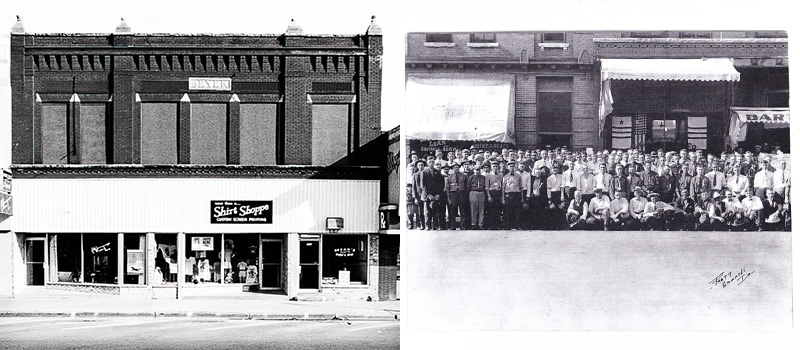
<point>599,210</point>
<point>457,202</point>
<point>512,196</point>
<point>494,186</point>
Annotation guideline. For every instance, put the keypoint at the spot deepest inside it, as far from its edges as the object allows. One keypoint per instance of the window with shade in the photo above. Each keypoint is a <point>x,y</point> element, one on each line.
<point>257,134</point>
<point>159,138</point>
<point>554,104</point>
<point>329,133</point>
<point>208,133</point>
<point>73,133</point>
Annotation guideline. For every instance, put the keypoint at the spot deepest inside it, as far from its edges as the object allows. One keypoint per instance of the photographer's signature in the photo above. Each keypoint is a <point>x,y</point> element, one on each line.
<point>725,279</point>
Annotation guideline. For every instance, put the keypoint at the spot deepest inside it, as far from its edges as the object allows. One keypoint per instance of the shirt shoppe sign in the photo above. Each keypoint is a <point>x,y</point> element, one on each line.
<point>241,212</point>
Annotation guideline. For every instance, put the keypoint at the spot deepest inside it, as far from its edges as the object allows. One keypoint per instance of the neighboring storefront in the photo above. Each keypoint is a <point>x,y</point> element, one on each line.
<point>668,104</point>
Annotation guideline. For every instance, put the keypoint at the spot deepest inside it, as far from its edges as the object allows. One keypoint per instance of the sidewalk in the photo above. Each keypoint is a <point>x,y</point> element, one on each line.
<point>38,301</point>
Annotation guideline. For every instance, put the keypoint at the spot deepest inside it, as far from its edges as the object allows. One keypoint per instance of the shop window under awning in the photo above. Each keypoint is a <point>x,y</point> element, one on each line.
<point>741,116</point>
<point>705,69</point>
<point>460,107</point>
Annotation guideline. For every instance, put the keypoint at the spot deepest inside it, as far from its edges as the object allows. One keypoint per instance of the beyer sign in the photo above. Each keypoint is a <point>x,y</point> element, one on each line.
<point>241,212</point>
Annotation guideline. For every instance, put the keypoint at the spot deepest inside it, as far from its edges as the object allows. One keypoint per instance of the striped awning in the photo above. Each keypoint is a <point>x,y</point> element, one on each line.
<point>705,69</point>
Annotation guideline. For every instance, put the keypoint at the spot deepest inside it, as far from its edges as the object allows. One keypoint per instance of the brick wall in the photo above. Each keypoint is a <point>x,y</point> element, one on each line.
<point>116,69</point>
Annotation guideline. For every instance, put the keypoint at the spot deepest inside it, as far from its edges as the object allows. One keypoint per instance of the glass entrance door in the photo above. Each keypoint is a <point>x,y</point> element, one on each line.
<point>309,264</point>
<point>271,264</point>
<point>34,261</point>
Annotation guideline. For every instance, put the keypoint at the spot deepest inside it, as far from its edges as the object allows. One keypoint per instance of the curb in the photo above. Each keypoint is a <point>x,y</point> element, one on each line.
<point>203,314</point>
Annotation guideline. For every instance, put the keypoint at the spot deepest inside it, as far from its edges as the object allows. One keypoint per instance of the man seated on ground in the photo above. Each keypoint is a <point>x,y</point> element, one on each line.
<point>753,209</point>
<point>774,212</point>
<point>733,212</point>
<point>636,205</point>
<point>684,211</point>
<point>657,214</point>
<point>619,213</point>
<point>576,211</point>
<point>598,212</point>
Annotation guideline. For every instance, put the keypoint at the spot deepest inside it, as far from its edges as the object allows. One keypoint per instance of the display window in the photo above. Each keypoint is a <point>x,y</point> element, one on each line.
<point>344,259</point>
<point>165,264</point>
<point>240,253</point>
<point>68,257</point>
<point>204,258</point>
<point>100,258</point>
<point>135,265</point>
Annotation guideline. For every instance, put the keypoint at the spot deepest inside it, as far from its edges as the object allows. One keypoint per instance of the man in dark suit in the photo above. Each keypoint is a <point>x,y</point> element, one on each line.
<point>423,193</point>
<point>633,180</point>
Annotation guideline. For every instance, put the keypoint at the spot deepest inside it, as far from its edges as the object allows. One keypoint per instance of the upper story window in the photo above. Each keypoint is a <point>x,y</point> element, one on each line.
<point>698,35</point>
<point>482,38</point>
<point>439,38</point>
<point>657,34</point>
<point>554,38</point>
<point>770,34</point>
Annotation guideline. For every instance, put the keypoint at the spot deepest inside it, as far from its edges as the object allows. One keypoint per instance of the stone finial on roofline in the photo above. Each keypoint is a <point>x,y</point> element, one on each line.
<point>374,28</point>
<point>18,27</point>
<point>123,27</point>
<point>294,29</point>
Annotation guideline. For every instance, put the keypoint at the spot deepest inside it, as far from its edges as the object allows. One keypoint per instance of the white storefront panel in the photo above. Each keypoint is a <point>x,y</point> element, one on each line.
<point>184,204</point>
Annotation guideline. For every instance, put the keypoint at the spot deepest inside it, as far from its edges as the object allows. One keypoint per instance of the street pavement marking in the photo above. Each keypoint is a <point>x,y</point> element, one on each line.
<point>118,324</point>
<point>254,323</point>
<point>37,320</point>
<point>380,325</point>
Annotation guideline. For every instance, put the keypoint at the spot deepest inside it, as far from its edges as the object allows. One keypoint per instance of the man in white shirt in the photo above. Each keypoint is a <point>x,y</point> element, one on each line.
<point>753,208</point>
<point>738,183</point>
<point>598,212</point>
<point>618,211</point>
<point>781,180</point>
<point>603,179</point>
<point>763,180</point>
<point>657,214</point>
<point>570,181</point>
<point>716,178</point>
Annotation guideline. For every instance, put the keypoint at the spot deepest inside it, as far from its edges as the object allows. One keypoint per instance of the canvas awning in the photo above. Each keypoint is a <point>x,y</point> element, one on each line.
<point>700,69</point>
<point>740,116</point>
<point>460,107</point>
<point>708,69</point>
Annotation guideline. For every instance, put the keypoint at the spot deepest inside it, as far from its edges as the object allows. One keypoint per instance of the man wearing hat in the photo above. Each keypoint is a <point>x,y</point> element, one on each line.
<point>423,181</point>
<point>457,202</point>
<point>657,214</point>
<point>437,204</point>
<point>512,196</point>
<point>636,206</point>
<point>494,186</point>
<point>599,210</point>
<point>476,183</point>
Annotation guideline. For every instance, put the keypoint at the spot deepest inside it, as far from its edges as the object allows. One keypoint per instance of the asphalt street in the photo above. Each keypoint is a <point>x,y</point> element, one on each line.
<point>181,333</point>
<point>595,280</point>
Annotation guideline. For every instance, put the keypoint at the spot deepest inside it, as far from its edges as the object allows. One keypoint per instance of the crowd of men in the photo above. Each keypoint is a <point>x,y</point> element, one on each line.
<point>604,190</point>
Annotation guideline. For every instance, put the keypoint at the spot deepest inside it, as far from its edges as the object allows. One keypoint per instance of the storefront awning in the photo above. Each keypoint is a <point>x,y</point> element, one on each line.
<point>709,69</point>
<point>741,116</point>
<point>460,107</point>
<point>702,69</point>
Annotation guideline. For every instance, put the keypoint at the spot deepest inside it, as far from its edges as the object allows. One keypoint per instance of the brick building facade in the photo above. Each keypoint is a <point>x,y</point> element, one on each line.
<point>159,164</point>
<point>556,82</point>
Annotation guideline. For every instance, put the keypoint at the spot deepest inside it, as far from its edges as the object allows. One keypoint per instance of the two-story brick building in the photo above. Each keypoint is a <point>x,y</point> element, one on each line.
<point>163,165</point>
<point>670,89</point>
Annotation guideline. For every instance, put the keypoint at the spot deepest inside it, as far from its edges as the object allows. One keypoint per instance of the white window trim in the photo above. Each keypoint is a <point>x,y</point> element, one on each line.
<point>439,44</point>
<point>563,46</point>
<point>483,45</point>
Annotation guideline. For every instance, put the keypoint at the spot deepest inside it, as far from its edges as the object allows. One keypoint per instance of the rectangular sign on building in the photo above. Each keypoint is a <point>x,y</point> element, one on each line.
<point>214,84</point>
<point>5,204</point>
<point>241,212</point>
